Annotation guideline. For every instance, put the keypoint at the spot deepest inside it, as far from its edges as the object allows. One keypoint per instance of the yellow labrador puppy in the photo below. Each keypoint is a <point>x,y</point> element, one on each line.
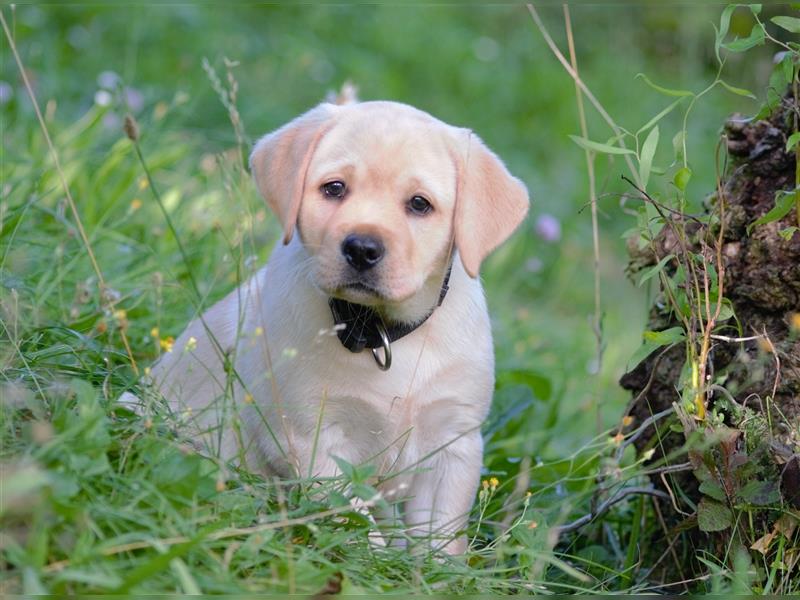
<point>366,336</point>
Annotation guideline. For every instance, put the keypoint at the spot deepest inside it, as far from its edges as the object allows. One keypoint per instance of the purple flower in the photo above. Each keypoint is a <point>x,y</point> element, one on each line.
<point>134,99</point>
<point>6,92</point>
<point>108,80</point>
<point>548,228</point>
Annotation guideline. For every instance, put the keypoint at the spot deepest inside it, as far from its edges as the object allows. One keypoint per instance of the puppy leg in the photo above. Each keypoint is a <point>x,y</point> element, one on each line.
<point>442,494</point>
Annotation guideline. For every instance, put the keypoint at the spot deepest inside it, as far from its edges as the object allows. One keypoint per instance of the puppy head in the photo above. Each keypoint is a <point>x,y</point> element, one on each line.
<point>379,191</point>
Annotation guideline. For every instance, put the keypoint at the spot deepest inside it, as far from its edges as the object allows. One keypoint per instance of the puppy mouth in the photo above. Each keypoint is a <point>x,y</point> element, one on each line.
<point>359,292</point>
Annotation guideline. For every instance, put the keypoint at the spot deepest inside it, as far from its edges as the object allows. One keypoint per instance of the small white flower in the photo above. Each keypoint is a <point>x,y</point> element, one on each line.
<point>102,98</point>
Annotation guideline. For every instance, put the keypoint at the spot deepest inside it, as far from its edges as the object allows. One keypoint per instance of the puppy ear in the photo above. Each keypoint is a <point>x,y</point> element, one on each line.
<point>490,203</point>
<point>280,160</point>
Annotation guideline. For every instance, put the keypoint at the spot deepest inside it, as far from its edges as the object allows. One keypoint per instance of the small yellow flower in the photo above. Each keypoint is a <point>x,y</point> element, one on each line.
<point>617,439</point>
<point>494,482</point>
<point>121,317</point>
<point>136,204</point>
<point>191,344</point>
<point>154,333</point>
<point>794,322</point>
<point>248,398</point>
<point>259,331</point>
<point>527,494</point>
<point>143,183</point>
<point>147,371</point>
<point>627,421</point>
<point>485,484</point>
<point>167,343</point>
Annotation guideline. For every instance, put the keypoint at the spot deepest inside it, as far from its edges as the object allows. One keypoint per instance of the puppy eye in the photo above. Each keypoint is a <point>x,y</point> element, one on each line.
<point>419,206</point>
<point>334,189</point>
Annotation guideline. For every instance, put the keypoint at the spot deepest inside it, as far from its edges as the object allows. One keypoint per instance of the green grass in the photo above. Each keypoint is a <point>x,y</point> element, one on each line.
<point>96,499</point>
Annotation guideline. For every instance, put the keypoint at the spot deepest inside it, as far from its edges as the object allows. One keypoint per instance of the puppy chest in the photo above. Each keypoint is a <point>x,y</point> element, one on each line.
<point>359,428</point>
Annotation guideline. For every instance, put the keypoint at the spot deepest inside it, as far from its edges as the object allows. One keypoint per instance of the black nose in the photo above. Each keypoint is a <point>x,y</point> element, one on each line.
<point>362,251</point>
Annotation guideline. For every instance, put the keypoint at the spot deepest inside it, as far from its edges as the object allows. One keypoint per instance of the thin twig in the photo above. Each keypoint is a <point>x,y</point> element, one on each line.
<point>641,429</point>
<point>680,467</point>
<point>605,506</point>
<point>658,205</point>
<point>579,82</point>
<point>597,324</point>
<point>725,338</point>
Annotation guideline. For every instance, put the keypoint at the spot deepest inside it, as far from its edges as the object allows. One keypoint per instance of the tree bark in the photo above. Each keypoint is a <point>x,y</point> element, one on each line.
<point>753,384</point>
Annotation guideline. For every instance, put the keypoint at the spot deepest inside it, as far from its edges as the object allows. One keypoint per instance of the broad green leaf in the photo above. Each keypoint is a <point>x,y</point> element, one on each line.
<point>540,385</point>
<point>725,311</point>
<point>667,336</point>
<point>598,147</point>
<point>713,516</point>
<point>682,177</point>
<point>677,143</point>
<point>347,469</point>
<point>641,353</point>
<point>712,489</point>
<point>646,159</point>
<point>647,275</point>
<point>784,201</point>
<point>760,493</point>
<point>756,38</point>
<point>792,141</point>
<point>664,90</point>
<point>738,91</point>
<point>780,77</point>
<point>653,340</point>
<point>787,232</point>
<point>724,25</point>
<point>788,23</point>
<point>787,66</point>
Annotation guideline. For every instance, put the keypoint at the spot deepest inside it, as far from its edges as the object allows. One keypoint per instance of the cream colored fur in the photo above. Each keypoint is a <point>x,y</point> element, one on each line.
<point>421,418</point>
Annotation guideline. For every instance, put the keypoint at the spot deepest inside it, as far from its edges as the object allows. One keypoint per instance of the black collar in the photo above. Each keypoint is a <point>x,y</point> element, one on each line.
<point>358,325</point>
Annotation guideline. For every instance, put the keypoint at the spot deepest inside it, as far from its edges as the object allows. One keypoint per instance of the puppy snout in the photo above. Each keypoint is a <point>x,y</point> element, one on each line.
<point>362,252</point>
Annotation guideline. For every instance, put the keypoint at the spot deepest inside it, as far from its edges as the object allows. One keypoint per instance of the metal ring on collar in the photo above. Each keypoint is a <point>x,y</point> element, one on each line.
<point>384,364</point>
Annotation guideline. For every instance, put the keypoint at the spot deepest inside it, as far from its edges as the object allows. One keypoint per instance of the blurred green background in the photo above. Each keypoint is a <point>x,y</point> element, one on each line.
<point>481,66</point>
